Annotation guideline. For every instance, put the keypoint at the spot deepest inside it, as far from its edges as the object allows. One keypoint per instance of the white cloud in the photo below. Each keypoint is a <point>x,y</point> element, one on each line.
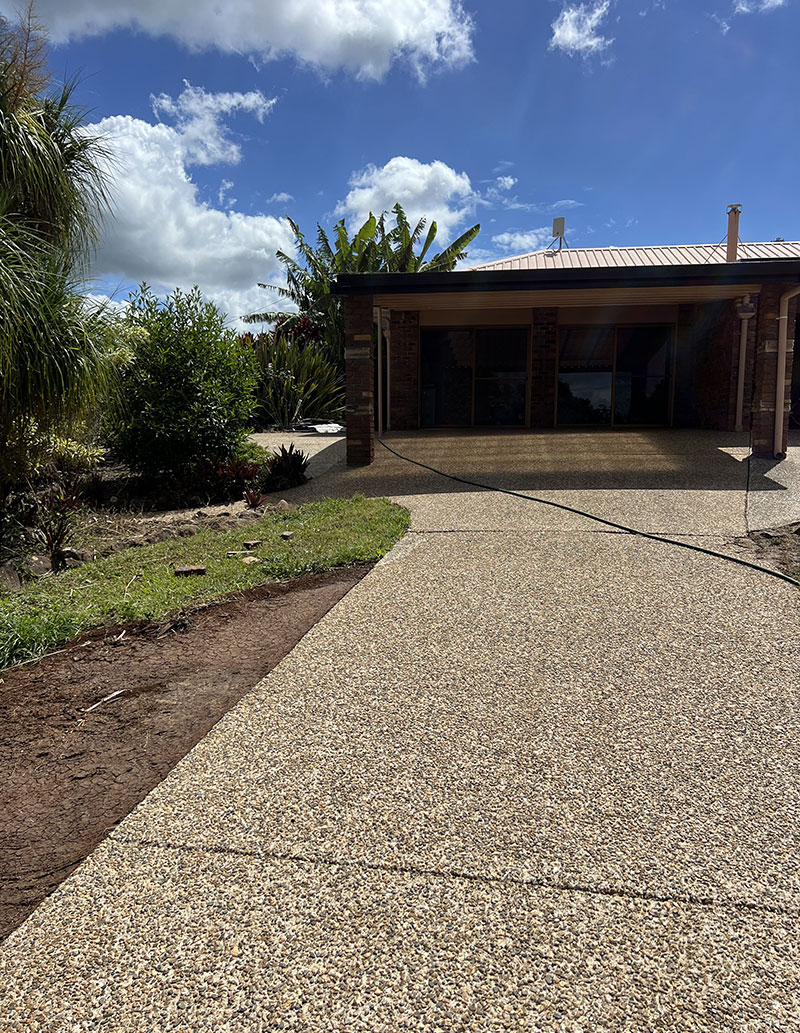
<point>756,6</point>
<point>198,115</point>
<point>433,190</point>
<point>521,241</point>
<point>225,188</point>
<point>364,37</point>
<point>163,233</point>
<point>575,30</point>
<point>94,301</point>
<point>745,7</point>
<point>505,182</point>
<point>281,198</point>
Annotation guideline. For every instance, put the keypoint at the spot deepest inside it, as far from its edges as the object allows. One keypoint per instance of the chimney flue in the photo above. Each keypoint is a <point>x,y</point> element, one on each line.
<point>734,211</point>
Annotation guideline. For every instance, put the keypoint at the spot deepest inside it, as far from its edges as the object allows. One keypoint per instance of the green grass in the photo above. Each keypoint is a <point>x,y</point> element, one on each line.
<point>139,584</point>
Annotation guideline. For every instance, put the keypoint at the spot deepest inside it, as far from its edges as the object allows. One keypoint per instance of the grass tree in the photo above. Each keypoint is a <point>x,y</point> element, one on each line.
<point>52,197</point>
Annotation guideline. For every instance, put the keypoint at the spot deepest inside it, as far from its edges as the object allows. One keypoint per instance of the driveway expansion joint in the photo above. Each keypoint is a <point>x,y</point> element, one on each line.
<point>691,900</point>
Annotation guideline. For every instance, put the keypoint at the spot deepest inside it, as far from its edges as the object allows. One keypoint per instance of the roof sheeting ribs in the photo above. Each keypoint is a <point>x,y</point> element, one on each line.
<point>642,257</point>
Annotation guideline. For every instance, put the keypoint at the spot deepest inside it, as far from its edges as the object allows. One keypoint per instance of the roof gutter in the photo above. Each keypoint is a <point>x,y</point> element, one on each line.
<point>780,379</point>
<point>467,281</point>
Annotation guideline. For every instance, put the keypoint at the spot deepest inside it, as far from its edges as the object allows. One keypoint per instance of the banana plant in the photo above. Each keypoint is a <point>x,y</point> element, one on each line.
<point>376,247</point>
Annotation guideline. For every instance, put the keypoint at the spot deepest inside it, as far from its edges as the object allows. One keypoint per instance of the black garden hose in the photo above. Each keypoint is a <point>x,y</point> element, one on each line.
<point>599,520</point>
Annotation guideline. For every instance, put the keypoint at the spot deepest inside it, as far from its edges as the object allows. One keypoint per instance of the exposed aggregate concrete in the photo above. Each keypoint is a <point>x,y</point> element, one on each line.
<point>530,777</point>
<point>516,739</point>
<point>164,940</point>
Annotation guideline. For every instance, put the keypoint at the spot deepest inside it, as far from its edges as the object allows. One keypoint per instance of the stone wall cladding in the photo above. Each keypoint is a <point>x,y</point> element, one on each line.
<point>544,357</point>
<point>766,368</point>
<point>359,380</point>
<point>404,348</point>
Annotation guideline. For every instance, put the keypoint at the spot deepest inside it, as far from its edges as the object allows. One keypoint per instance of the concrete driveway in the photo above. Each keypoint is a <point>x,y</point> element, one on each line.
<point>527,775</point>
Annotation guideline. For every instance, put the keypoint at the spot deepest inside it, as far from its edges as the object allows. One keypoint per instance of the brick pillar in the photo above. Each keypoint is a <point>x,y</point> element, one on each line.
<point>765,371</point>
<point>360,379</point>
<point>404,347</point>
<point>544,355</point>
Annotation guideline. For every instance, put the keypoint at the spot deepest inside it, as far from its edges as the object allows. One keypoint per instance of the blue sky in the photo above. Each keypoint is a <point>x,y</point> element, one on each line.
<point>638,120</point>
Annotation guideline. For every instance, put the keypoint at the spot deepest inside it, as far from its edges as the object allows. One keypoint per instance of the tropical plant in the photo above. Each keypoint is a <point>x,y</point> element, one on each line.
<point>295,381</point>
<point>187,396</point>
<point>53,362</point>
<point>375,247</point>
<point>287,468</point>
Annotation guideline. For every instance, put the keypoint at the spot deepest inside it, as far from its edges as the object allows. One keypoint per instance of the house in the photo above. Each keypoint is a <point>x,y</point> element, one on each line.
<point>697,336</point>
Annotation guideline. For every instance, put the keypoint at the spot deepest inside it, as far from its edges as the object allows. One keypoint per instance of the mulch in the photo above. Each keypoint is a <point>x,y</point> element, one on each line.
<point>71,773</point>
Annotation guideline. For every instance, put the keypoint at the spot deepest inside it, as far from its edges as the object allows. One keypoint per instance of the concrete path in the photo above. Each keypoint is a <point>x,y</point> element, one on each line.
<point>527,775</point>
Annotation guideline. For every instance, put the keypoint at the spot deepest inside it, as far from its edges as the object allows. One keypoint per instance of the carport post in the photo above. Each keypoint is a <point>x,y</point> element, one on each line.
<point>359,378</point>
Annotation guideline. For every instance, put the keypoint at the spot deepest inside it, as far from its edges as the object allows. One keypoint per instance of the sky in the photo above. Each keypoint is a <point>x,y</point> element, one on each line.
<point>639,121</point>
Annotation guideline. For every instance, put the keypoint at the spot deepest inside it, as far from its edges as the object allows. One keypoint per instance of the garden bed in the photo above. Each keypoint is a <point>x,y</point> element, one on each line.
<point>140,663</point>
<point>75,772</point>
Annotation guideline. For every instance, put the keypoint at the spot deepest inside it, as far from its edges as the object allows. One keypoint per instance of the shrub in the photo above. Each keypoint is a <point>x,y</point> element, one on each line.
<point>187,396</point>
<point>33,455</point>
<point>287,468</point>
<point>295,381</point>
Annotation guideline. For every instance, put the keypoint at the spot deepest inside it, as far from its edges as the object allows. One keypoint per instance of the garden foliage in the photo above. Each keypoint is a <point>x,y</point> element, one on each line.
<point>53,363</point>
<point>295,379</point>
<point>377,246</point>
<point>187,395</point>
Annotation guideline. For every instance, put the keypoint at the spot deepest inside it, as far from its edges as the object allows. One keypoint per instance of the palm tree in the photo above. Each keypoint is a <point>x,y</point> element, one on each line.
<point>52,196</point>
<point>373,249</point>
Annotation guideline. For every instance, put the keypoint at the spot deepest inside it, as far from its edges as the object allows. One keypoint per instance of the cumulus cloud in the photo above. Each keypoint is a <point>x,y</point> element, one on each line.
<point>281,198</point>
<point>575,30</point>
<point>433,190</point>
<point>518,242</point>
<point>364,37</point>
<point>198,118</point>
<point>161,231</point>
<point>505,182</point>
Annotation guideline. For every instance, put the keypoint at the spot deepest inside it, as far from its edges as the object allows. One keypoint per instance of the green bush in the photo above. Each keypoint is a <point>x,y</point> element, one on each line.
<point>295,382</point>
<point>187,396</point>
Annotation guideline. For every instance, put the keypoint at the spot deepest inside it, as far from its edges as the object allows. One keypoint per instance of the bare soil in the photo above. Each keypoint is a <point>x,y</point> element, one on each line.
<point>777,547</point>
<point>71,773</point>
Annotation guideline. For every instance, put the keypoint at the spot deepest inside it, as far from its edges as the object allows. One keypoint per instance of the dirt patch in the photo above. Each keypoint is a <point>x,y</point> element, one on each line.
<point>778,547</point>
<point>72,775</point>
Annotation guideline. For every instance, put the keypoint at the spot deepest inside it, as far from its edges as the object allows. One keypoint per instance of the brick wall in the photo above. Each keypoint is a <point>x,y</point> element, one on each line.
<point>404,348</point>
<point>706,366</point>
<point>717,372</point>
<point>360,380</point>
<point>544,355</point>
<point>766,367</point>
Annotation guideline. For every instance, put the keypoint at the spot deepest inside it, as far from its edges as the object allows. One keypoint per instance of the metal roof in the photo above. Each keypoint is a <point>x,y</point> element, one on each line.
<point>641,257</point>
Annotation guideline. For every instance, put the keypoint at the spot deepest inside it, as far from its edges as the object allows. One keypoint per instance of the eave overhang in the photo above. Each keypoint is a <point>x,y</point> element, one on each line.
<point>724,274</point>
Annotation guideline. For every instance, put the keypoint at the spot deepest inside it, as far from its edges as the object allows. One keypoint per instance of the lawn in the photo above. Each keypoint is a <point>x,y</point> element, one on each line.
<point>140,584</point>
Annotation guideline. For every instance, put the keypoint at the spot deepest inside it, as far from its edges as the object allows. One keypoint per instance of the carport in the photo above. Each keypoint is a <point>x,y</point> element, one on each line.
<point>605,338</point>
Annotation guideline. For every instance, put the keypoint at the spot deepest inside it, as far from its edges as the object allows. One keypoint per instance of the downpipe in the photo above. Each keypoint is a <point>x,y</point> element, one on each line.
<point>780,378</point>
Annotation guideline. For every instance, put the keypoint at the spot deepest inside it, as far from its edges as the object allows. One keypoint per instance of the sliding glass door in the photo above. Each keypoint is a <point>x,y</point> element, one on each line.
<point>474,377</point>
<point>610,376</point>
